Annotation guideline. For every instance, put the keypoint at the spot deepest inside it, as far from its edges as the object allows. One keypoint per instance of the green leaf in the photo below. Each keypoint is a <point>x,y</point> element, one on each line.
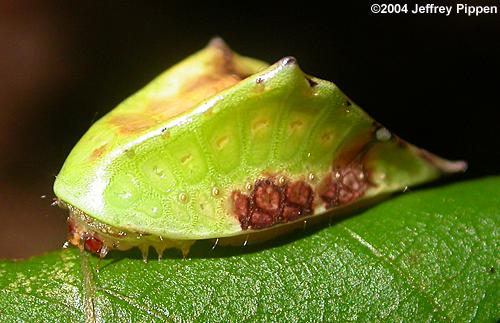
<point>425,255</point>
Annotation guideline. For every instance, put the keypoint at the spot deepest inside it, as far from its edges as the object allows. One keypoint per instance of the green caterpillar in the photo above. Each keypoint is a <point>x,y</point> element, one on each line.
<point>223,146</point>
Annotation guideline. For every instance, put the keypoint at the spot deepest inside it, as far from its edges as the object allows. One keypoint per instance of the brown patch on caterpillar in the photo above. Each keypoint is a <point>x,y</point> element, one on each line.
<point>83,239</point>
<point>261,220</point>
<point>241,204</point>
<point>98,152</point>
<point>220,72</point>
<point>353,148</point>
<point>268,197</point>
<point>300,194</point>
<point>344,185</point>
<point>207,85</point>
<point>259,236</point>
<point>225,60</point>
<point>131,123</point>
<point>192,92</point>
<point>221,75</point>
<point>272,201</point>
<point>291,213</point>
<point>93,244</point>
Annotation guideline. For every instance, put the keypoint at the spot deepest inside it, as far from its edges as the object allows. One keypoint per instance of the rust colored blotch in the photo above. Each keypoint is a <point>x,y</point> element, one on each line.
<point>241,204</point>
<point>131,123</point>
<point>261,220</point>
<point>267,197</point>
<point>98,152</point>
<point>271,204</point>
<point>208,85</point>
<point>344,185</point>
<point>299,193</point>
<point>93,244</point>
<point>329,192</point>
<point>192,92</point>
<point>220,72</point>
<point>291,213</point>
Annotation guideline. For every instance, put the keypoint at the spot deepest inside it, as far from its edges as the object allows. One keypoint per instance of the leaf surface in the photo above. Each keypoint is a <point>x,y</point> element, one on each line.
<point>430,254</point>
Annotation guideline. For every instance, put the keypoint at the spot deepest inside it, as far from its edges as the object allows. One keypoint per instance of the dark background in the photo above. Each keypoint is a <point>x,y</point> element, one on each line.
<point>431,79</point>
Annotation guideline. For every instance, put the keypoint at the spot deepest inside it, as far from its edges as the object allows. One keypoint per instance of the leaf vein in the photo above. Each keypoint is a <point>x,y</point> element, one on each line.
<point>134,304</point>
<point>406,276</point>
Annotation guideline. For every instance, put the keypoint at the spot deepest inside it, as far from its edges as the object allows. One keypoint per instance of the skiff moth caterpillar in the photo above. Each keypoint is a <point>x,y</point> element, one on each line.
<point>221,146</point>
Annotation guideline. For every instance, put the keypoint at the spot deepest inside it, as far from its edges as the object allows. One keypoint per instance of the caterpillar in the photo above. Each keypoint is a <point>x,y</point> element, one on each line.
<point>223,146</point>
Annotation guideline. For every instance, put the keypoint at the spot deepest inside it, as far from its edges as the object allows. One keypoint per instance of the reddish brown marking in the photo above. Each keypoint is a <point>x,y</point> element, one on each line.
<point>93,244</point>
<point>270,204</point>
<point>299,193</point>
<point>220,73</point>
<point>352,148</point>
<point>192,92</point>
<point>241,204</point>
<point>98,152</point>
<point>344,185</point>
<point>131,123</point>
<point>267,197</point>
<point>77,235</point>
<point>208,85</point>
<point>222,70</point>
<point>261,220</point>
<point>225,62</point>
<point>291,213</point>
<point>224,59</point>
<point>329,191</point>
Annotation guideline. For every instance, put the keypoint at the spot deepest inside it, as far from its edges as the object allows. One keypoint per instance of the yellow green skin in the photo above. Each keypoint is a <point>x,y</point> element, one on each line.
<point>166,160</point>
